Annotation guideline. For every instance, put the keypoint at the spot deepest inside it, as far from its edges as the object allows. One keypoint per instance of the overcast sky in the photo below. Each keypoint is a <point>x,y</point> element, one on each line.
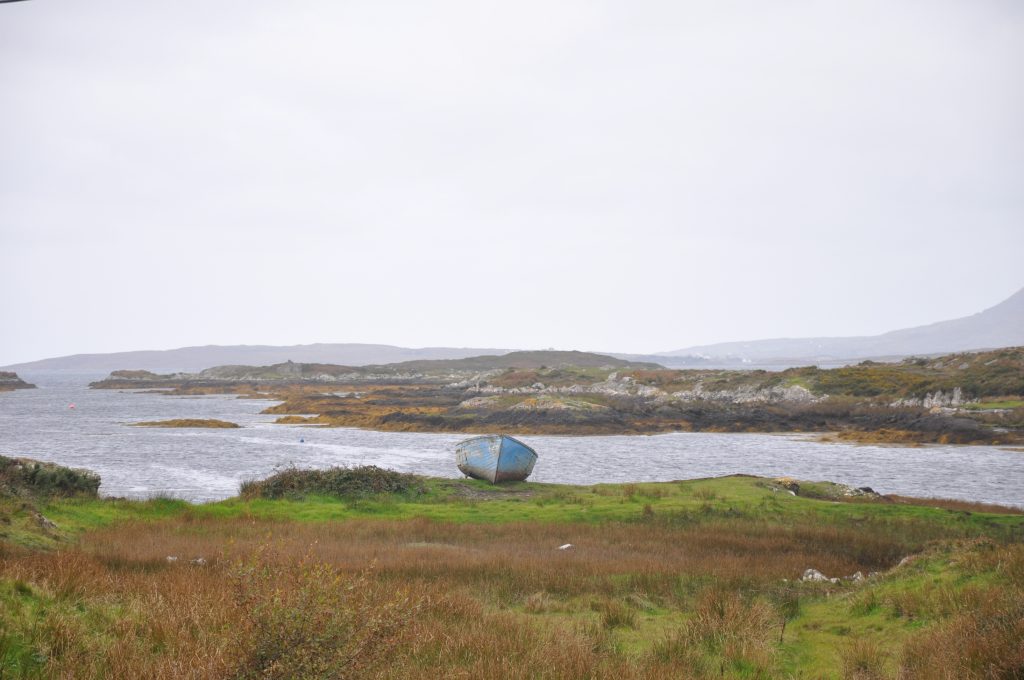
<point>628,176</point>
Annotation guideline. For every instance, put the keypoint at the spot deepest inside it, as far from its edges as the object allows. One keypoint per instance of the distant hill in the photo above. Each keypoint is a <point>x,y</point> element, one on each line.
<point>303,372</point>
<point>525,360</point>
<point>194,359</point>
<point>998,326</point>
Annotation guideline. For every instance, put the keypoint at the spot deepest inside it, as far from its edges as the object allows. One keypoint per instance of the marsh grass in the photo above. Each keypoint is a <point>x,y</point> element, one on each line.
<point>982,642</point>
<point>957,505</point>
<point>308,619</point>
<point>863,659</point>
<point>255,589</point>
<point>422,599</point>
<point>291,599</point>
<point>615,613</point>
<point>725,632</point>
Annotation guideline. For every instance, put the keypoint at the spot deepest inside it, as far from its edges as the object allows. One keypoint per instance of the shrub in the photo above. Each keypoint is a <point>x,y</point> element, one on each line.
<point>345,482</point>
<point>21,476</point>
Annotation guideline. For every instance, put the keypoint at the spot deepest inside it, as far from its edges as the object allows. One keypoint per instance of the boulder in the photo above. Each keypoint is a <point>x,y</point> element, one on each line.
<point>813,575</point>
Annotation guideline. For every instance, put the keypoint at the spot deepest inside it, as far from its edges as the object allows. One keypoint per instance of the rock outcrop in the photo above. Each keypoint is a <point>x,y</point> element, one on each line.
<point>614,386</point>
<point>937,399</point>
<point>10,381</point>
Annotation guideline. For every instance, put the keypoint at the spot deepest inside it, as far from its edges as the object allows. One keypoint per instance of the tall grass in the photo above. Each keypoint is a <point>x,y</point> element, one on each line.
<point>306,619</point>
<point>427,599</point>
<point>979,643</point>
<point>725,630</point>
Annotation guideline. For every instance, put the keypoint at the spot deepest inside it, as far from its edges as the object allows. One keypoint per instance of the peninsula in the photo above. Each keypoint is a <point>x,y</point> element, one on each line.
<point>957,398</point>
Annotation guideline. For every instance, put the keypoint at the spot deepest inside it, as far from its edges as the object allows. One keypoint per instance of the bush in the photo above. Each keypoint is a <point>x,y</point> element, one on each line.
<point>21,476</point>
<point>344,482</point>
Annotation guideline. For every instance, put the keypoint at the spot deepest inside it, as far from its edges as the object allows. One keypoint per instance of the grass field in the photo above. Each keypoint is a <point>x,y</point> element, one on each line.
<point>456,578</point>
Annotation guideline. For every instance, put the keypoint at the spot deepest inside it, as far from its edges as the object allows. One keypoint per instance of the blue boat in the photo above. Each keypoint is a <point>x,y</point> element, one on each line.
<point>495,458</point>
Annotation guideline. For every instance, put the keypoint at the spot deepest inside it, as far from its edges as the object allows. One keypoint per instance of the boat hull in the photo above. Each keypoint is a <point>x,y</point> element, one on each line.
<point>495,458</point>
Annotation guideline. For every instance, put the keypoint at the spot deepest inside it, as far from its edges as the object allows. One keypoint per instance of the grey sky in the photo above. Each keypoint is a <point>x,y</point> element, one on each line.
<point>630,176</point>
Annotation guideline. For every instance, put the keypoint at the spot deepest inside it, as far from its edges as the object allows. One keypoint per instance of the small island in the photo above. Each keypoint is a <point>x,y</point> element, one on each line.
<point>189,422</point>
<point>9,381</point>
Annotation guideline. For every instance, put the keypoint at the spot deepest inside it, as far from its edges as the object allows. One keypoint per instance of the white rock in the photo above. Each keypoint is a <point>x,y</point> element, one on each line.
<point>813,575</point>
<point>565,547</point>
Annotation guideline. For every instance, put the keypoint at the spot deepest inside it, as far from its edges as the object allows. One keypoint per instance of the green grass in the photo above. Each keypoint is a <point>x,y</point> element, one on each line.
<point>474,501</point>
<point>825,623</point>
<point>987,405</point>
<point>79,514</point>
<point>884,611</point>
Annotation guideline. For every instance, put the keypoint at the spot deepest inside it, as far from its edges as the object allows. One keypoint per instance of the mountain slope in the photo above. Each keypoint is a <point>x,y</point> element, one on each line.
<point>193,359</point>
<point>998,326</point>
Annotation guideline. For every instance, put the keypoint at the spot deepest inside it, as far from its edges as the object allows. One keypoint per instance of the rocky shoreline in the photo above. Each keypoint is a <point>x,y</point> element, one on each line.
<point>939,400</point>
<point>10,381</point>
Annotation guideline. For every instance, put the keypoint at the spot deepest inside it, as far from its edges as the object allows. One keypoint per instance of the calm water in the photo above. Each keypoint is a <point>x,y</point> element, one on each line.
<point>201,465</point>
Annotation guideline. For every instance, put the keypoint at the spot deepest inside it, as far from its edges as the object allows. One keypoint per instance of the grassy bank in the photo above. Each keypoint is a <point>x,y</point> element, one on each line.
<point>382,576</point>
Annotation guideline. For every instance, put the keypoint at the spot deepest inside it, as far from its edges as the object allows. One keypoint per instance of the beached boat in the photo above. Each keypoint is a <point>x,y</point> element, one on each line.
<point>495,458</point>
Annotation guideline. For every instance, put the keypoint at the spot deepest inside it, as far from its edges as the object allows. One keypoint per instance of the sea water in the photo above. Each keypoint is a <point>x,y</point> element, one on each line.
<point>207,464</point>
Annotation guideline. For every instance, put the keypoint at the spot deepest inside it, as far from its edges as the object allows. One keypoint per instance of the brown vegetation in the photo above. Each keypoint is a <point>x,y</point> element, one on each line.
<point>408,599</point>
<point>423,599</point>
<point>870,402</point>
<point>674,580</point>
<point>957,505</point>
<point>189,422</point>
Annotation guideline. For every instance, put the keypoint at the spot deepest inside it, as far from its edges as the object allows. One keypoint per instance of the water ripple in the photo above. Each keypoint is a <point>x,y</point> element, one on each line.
<point>201,465</point>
